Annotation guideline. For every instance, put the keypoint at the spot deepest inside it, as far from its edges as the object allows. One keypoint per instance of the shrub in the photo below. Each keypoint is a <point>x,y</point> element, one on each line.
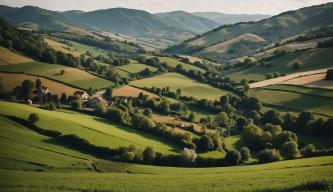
<point>308,150</point>
<point>296,65</point>
<point>51,107</point>
<point>289,150</point>
<point>233,158</point>
<point>329,74</point>
<point>188,156</point>
<point>76,105</point>
<point>269,155</point>
<point>148,155</point>
<point>33,118</point>
<point>245,154</point>
<point>205,143</point>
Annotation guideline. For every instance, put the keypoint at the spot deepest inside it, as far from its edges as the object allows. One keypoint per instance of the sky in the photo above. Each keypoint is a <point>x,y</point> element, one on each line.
<point>271,7</point>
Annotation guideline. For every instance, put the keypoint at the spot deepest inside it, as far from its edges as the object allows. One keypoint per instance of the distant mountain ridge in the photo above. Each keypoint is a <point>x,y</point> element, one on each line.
<point>175,26</point>
<point>271,30</point>
<point>226,19</point>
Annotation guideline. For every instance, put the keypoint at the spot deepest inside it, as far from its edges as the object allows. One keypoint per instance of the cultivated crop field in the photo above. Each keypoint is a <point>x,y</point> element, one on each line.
<point>309,60</point>
<point>129,91</point>
<point>292,97</point>
<point>12,80</point>
<point>188,86</point>
<point>8,57</point>
<point>135,67</point>
<point>96,130</point>
<point>73,76</point>
<point>173,63</point>
<point>62,47</point>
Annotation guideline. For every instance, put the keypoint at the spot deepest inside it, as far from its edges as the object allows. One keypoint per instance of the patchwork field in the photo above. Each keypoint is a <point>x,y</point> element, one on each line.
<point>188,86</point>
<point>135,67</point>
<point>173,63</point>
<point>10,81</point>
<point>96,130</point>
<point>302,78</point>
<point>92,50</point>
<point>73,76</point>
<point>309,60</point>
<point>62,47</point>
<point>8,57</point>
<point>129,91</point>
<point>319,101</point>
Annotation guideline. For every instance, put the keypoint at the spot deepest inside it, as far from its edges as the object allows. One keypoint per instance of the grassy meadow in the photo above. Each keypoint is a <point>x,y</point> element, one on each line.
<point>135,67</point>
<point>73,76</point>
<point>13,80</point>
<point>8,57</point>
<point>188,86</point>
<point>96,130</point>
<point>309,60</point>
<point>297,98</point>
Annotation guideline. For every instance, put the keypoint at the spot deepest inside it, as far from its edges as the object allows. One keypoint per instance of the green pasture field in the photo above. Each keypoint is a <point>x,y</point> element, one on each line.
<point>310,60</point>
<point>135,67</point>
<point>188,86</point>
<point>73,76</point>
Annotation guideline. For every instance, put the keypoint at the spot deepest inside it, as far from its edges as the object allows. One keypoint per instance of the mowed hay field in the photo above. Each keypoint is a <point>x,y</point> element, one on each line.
<point>297,98</point>
<point>10,81</point>
<point>129,91</point>
<point>309,60</point>
<point>62,47</point>
<point>96,130</point>
<point>135,67</point>
<point>174,62</point>
<point>73,76</point>
<point>8,57</point>
<point>279,175</point>
<point>188,86</point>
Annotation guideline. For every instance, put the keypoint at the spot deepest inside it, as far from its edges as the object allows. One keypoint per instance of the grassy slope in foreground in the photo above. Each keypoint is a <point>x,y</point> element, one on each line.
<point>24,149</point>
<point>72,76</point>
<point>310,60</point>
<point>188,86</point>
<point>96,130</point>
<point>12,80</point>
<point>148,178</point>
<point>298,98</point>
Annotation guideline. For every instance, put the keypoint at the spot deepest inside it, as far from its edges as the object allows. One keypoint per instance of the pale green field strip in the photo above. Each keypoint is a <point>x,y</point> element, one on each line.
<point>188,86</point>
<point>297,101</point>
<point>96,130</point>
<point>73,76</point>
<point>135,68</point>
<point>309,60</point>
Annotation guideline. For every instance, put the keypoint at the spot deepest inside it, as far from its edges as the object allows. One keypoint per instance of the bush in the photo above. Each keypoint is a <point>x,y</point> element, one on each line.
<point>188,157</point>
<point>289,150</point>
<point>296,65</point>
<point>233,158</point>
<point>329,74</point>
<point>245,154</point>
<point>148,155</point>
<point>51,107</point>
<point>33,118</point>
<point>308,150</point>
<point>76,105</point>
<point>269,155</point>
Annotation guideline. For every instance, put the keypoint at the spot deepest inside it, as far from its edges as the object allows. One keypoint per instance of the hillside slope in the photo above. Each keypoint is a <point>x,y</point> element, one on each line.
<point>272,29</point>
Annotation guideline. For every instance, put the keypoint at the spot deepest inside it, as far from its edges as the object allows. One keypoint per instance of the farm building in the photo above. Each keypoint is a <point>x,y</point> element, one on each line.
<point>96,101</point>
<point>84,95</point>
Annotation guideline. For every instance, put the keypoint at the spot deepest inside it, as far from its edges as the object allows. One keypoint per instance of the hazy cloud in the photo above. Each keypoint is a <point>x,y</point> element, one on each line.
<point>153,6</point>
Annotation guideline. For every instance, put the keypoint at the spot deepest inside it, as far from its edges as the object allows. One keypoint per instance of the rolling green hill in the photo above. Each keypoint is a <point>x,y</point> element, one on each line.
<point>227,19</point>
<point>188,86</point>
<point>272,29</point>
<point>309,59</point>
<point>187,21</point>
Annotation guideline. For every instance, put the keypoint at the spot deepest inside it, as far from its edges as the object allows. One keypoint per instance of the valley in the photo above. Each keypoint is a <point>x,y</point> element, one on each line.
<point>122,99</point>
